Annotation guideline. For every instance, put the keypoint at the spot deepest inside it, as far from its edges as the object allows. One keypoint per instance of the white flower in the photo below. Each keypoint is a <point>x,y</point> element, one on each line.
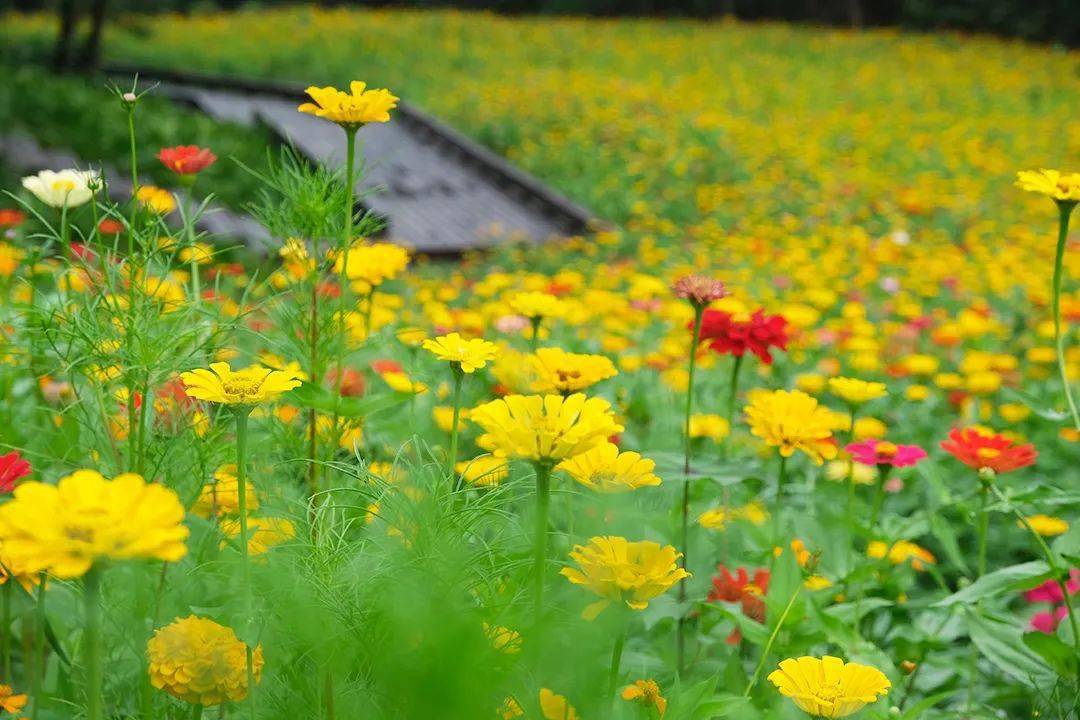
<point>67,187</point>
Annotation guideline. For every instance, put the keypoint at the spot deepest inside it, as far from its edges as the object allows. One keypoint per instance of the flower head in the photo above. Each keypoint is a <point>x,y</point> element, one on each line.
<point>544,427</point>
<point>1062,187</point>
<point>646,693</point>
<point>222,497</point>
<point>352,109</point>
<point>792,420</point>
<point>263,532</point>
<point>64,529</point>
<point>856,392</point>
<point>741,588</point>
<point>901,551</point>
<point>9,701</point>
<point>249,386</point>
<point>369,265</point>
<point>700,290</point>
<point>1050,591</point>
<point>57,189</point>
<point>534,305</point>
<point>469,355</point>
<point>607,470</point>
<point>879,452</point>
<point>828,687</point>
<point>156,199</point>
<point>186,159</point>
<point>981,449</point>
<point>622,571</point>
<point>737,334</point>
<point>198,661</point>
<point>483,471</point>
<point>12,468</point>
<point>563,372</point>
<point>556,707</point>
<point>1046,525</point>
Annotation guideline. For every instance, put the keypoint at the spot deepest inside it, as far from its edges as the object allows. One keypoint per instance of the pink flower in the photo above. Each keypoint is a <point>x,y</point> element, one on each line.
<point>1047,622</point>
<point>1050,591</point>
<point>12,467</point>
<point>700,290</point>
<point>880,452</point>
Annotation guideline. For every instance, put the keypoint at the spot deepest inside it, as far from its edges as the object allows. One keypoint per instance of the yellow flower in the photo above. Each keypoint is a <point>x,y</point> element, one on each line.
<point>607,470</point>
<point>10,258</point>
<point>556,707</point>
<point>646,692</point>
<point>1063,187</point>
<point>199,253</point>
<point>624,572</point>
<point>503,639</point>
<point>709,426</point>
<point>400,382</point>
<point>856,392</point>
<point>563,372</point>
<point>792,420</point>
<point>350,109</point>
<point>9,701</point>
<point>828,687</point>
<point>717,518</point>
<point>64,529</point>
<point>198,661</point>
<point>544,428</point>
<point>156,199</point>
<point>901,551</point>
<point>535,305</point>
<point>263,533</point>
<point>469,355</point>
<point>1046,525</point>
<point>249,386</point>
<point>816,582</point>
<point>510,709</point>
<point>371,264</point>
<point>221,497</point>
<point>483,471</point>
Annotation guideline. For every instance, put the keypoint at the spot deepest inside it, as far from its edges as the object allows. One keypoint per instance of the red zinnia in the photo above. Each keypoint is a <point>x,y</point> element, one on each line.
<point>735,334</point>
<point>12,468</point>
<point>739,588</point>
<point>352,382</point>
<point>186,159</point>
<point>385,366</point>
<point>982,449</point>
<point>110,226</point>
<point>9,217</point>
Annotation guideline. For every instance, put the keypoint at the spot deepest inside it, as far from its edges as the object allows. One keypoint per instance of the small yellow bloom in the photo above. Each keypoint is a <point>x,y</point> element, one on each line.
<point>828,687</point>
<point>400,382</point>
<point>483,471</point>
<point>503,639</point>
<point>249,386</point>
<point>263,532</point>
<point>156,199</point>
<point>607,470</point>
<point>1063,187</point>
<point>9,701</point>
<point>707,425</point>
<point>901,551</point>
<point>717,518</point>
<point>548,427</point>
<point>369,265</point>
<point>352,109</point>
<point>469,355</point>
<point>856,392</point>
<point>556,707</point>
<point>647,693</point>
<point>623,572</point>
<point>535,305</point>
<point>1046,525</point>
<point>222,497</point>
<point>198,661</point>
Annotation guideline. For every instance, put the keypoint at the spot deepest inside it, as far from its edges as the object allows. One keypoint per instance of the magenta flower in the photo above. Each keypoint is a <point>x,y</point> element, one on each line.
<point>879,452</point>
<point>1047,622</point>
<point>1050,591</point>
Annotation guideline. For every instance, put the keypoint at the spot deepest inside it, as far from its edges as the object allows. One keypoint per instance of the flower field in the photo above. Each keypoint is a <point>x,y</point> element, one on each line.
<point>796,436</point>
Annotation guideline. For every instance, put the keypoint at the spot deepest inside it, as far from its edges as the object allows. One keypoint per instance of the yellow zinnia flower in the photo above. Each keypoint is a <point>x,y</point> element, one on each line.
<point>198,661</point>
<point>856,392</point>
<point>222,497</point>
<point>556,707</point>
<point>828,687</point>
<point>1046,525</point>
<point>560,371</point>
<point>647,693</point>
<point>249,386</point>
<point>64,529</point>
<point>710,426</point>
<point>469,355</point>
<point>623,572</point>
<point>901,551</point>
<point>535,305</point>
<point>1063,187</point>
<point>368,265</point>
<point>263,533</point>
<point>792,420</point>
<point>352,109</point>
<point>544,428</point>
<point>607,470</point>
<point>483,471</point>
<point>156,199</point>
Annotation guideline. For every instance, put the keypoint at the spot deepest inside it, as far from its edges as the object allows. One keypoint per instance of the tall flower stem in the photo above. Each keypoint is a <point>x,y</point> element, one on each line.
<point>242,414</point>
<point>451,458</point>
<point>313,341</point>
<point>534,341</point>
<point>982,528</point>
<point>92,620</point>
<point>65,232</point>
<point>5,627</point>
<point>772,639</point>
<point>778,505</point>
<point>543,502</point>
<point>699,313</point>
<point>37,675</point>
<point>613,670</point>
<point>1065,210</point>
<point>196,712</point>
<point>725,492</point>
<point>343,256</point>
<point>879,495</point>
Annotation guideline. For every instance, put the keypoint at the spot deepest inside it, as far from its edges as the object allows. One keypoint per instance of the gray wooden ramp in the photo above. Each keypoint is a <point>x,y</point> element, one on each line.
<point>437,191</point>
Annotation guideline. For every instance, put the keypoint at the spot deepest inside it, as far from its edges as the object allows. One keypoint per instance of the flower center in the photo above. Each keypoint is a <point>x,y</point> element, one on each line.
<point>987,453</point>
<point>886,449</point>
<point>65,186</point>
<point>828,694</point>
<point>241,387</point>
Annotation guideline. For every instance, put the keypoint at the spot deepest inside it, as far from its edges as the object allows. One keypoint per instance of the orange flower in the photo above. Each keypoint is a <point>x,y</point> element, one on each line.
<point>984,449</point>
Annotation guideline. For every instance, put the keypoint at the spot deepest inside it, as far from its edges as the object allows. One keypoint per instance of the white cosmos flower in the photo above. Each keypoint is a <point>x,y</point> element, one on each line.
<point>67,187</point>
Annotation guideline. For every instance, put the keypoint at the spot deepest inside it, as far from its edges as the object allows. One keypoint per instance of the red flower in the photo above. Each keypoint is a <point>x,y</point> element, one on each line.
<point>12,468</point>
<point>739,588</point>
<point>110,226</point>
<point>352,382</point>
<point>381,367</point>
<point>9,217</point>
<point>735,334</point>
<point>186,159</point>
<point>982,449</point>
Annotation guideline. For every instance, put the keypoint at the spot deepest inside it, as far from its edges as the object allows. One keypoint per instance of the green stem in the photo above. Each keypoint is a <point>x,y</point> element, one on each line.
<point>772,639</point>
<point>37,675</point>
<point>5,627</point>
<point>534,342</point>
<point>733,396</point>
<point>196,712</point>
<point>343,275</point>
<point>613,670</point>
<point>781,480</point>
<point>92,618</point>
<point>451,459</point>
<point>316,372</point>
<point>1065,210</point>
<point>699,313</point>
<point>65,233</point>
<point>241,498</point>
<point>981,528</point>
<point>879,497</point>
<point>543,502</point>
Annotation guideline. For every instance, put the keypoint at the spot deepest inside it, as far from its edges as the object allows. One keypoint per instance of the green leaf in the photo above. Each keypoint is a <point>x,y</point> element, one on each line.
<point>1015,577</point>
<point>313,396</point>
<point>1061,657</point>
<point>1002,643</point>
